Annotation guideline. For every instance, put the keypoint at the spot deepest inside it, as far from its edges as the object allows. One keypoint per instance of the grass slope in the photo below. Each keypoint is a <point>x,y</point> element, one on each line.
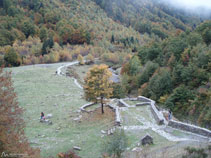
<point>38,89</point>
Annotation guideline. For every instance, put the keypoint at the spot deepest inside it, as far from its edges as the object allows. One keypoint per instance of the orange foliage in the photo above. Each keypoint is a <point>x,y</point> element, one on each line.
<point>12,138</point>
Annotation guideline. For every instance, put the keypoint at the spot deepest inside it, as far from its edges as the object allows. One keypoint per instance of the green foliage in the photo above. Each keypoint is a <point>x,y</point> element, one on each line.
<point>160,84</point>
<point>116,144</point>
<point>176,46</point>
<point>47,45</point>
<point>12,58</point>
<point>159,33</point>
<point>194,39</point>
<point>134,65</point>
<point>118,91</point>
<point>28,28</point>
<point>148,71</point>
<point>43,34</point>
<point>182,74</point>
<point>179,100</point>
<point>7,4</point>
<point>207,35</point>
<point>150,52</point>
<point>6,37</point>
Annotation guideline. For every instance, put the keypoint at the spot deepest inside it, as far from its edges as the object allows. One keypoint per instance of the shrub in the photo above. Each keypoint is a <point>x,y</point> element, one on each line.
<point>81,60</point>
<point>90,59</point>
<point>12,58</point>
<point>116,144</point>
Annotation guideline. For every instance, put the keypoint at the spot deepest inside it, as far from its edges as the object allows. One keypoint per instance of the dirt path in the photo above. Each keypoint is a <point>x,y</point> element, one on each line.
<point>60,73</point>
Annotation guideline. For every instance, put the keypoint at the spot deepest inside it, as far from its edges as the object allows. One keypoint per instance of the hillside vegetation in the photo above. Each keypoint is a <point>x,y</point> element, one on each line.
<point>176,73</point>
<point>45,31</point>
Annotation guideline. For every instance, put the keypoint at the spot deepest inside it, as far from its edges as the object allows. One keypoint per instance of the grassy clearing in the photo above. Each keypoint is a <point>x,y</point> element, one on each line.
<point>93,107</point>
<point>143,111</point>
<point>136,135</point>
<point>38,89</point>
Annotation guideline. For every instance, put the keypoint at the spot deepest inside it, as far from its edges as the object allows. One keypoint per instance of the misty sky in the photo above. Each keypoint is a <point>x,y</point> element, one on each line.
<point>191,4</point>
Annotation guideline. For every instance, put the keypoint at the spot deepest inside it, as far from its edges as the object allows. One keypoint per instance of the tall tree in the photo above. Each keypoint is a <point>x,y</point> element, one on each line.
<point>98,85</point>
<point>12,139</point>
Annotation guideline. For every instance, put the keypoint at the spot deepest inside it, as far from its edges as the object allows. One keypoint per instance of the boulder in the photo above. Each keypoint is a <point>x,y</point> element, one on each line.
<point>103,132</point>
<point>147,140</point>
<point>77,148</point>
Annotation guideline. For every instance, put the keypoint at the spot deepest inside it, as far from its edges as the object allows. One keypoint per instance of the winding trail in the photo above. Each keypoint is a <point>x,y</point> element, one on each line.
<point>60,73</point>
<point>146,123</point>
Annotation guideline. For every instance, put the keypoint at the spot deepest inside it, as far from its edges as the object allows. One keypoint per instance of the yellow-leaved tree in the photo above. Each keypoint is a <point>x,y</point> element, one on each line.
<point>81,59</point>
<point>98,85</point>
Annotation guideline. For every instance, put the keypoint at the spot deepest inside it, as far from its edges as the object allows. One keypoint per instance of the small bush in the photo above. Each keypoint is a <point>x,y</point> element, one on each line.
<point>12,58</point>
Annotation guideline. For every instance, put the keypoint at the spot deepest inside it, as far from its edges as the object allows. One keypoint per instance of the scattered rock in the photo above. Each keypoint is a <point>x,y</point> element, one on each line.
<point>42,136</point>
<point>147,140</point>
<point>78,111</point>
<point>78,119</point>
<point>77,148</point>
<point>103,132</point>
<point>136,149</point>
<point>49,116</point>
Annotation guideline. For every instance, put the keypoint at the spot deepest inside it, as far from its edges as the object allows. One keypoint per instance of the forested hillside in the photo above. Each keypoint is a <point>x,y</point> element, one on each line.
<point>165,52</point>
<point>176,73</point>
<point>44,31</point>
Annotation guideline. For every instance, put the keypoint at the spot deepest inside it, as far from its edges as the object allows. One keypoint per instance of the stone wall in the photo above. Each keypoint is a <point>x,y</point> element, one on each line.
<point>143,99</point>
<point>143,104</point>
<point>123,103</point>
<point>118,117</point>
<point>190,128</point>
<point>83,108</point>
<point>157,115</point>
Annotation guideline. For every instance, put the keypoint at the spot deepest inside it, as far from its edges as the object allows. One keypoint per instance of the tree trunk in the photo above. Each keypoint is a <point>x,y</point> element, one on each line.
<point>102,105</point>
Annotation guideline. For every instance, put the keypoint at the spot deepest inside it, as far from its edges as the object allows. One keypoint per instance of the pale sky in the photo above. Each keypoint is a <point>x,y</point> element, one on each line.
<point>192,3</point>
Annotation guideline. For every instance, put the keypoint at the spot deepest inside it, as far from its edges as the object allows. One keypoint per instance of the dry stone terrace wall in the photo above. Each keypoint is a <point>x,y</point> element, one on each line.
<point>157,115</point>
<point>190,128</point>
<point>123,103</point>
<point>83,108</point>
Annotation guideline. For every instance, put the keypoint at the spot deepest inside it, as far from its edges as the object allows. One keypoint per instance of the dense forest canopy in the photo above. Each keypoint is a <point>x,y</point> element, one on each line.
<point>164,52</point>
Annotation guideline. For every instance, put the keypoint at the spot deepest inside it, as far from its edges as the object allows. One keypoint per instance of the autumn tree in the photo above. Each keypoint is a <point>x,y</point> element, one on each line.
<point>80,59</point>
<point>98,85</point>
<point>12,139</point>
